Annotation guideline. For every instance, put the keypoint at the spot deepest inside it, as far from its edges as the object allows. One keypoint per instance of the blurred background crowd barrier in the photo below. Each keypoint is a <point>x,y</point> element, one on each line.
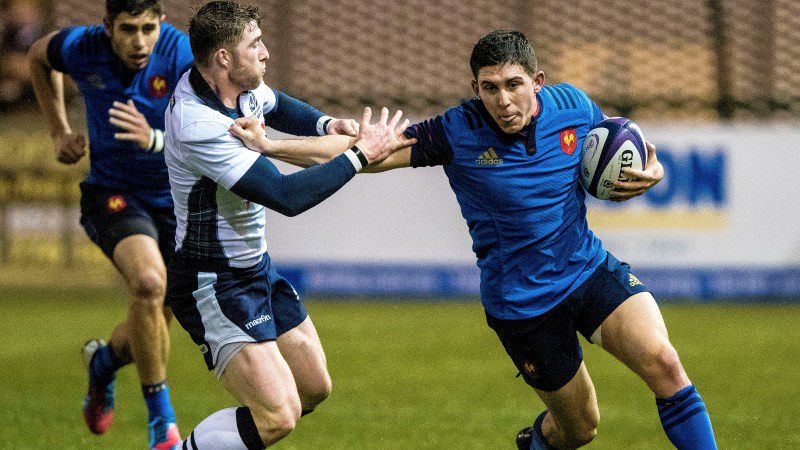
<point>696,72</point>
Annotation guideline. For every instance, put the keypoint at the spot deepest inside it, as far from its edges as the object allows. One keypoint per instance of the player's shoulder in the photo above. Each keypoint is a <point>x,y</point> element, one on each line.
<point>84,40</point>
<point>194,121</point>
<point>170,40</point>
<point>564,96</point>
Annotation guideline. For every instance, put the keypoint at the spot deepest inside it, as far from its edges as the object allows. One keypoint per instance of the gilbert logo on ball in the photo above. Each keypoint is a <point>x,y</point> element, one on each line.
<point>612,145</point>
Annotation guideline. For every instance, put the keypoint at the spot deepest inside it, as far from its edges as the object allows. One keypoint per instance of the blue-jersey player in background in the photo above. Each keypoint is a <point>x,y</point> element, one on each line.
<point>126,70</point>
<point>511,156</point>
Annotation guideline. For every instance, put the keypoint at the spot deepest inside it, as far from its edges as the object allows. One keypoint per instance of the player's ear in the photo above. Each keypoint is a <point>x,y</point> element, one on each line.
<point>222,57</point>
<point>162,18</point>
<point>538,81</point>
<point>475,86</point>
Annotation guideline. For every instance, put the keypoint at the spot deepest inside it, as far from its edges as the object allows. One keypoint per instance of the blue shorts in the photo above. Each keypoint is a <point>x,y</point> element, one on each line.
<point>232,306</point>
<point>545,348</point>
<point>110,215</point>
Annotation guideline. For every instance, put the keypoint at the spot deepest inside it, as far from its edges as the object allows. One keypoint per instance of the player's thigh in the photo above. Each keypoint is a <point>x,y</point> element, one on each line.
<point>259,377</point>
<point>635,334</point>
<point>574,406</point>
<point>303,351</point>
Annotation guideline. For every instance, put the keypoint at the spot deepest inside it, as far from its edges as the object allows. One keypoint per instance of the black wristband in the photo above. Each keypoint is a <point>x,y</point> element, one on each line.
<point>363,159</point>
<point>325,125</point>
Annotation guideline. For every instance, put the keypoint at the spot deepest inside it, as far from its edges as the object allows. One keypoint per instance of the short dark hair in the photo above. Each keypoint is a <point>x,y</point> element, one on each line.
<point>132,7</point>
<point>503,47</point>
<point>218,24</point>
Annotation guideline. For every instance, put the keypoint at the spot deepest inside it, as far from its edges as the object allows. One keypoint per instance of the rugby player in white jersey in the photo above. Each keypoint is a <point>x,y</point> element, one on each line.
<point>247,320</point>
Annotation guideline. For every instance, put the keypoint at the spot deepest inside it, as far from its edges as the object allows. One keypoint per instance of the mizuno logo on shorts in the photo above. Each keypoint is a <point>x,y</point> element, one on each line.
<point>253,323</point>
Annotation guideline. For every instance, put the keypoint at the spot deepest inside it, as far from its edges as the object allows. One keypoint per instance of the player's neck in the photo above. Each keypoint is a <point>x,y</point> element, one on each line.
<point>227,92</point>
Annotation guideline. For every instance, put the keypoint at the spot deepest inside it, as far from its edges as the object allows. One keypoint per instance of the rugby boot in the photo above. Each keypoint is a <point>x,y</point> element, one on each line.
<point>164,434</point>
<point>98,405</point>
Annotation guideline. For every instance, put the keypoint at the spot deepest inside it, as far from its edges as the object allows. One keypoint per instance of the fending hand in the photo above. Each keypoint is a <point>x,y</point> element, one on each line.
<point>379,140</point>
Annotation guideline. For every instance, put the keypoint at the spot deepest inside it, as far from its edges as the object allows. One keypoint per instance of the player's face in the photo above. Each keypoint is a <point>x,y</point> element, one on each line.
<point>509,94</point>
<point>133,37</point>
<point>249,60</point>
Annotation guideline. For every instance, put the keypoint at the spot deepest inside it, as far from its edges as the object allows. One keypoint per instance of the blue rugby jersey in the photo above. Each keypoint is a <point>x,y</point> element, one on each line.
<point>520,196</point>
<point>85,53</point>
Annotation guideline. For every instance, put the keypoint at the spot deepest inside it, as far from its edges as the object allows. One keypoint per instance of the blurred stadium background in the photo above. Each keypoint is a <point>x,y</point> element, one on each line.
<point>386,264</point>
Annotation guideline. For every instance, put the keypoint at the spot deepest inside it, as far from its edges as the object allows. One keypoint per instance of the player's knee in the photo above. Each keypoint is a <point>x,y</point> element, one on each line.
<point>276,425</point>
<point>583,433</point>
<point>318,392</point>
<point>666,365</point>
<point>584,437</point>
<point>149,287</point>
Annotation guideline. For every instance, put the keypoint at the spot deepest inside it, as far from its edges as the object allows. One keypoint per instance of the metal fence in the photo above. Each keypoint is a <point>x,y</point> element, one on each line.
<point>646,59</point>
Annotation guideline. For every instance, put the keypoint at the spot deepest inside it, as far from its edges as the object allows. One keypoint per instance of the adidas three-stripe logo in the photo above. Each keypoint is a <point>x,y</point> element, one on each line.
<point>489,157</point>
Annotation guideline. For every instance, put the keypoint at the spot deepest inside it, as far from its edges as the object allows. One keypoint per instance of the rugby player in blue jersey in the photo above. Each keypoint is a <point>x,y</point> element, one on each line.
<point>512,160</point>
<point>248,322</point>
<point>126,70</point>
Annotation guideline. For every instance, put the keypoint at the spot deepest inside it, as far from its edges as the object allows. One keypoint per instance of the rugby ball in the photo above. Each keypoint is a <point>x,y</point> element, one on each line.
<point>613,144</point>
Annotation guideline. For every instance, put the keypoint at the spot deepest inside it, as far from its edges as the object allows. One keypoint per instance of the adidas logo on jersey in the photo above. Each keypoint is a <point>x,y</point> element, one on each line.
<point>489,157</point>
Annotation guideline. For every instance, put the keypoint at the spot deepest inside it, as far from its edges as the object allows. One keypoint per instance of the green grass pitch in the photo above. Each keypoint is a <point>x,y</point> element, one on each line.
<point>406,376</point>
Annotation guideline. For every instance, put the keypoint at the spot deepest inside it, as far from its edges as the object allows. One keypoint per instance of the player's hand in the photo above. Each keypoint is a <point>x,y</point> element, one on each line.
<point>640,180</point>
<point>346,127</point>
<point>132,122</point>
<point>251,133</point>
<point>379,140</point>
<point>70,147</point>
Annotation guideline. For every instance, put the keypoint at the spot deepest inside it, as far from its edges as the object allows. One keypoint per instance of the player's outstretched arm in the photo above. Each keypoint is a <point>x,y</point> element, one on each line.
<point>296,117</point>
<point>642,180</point>
<point>292,194</point>
<point>313,151</point>
<point>299,152</point>
<point>48,85</point>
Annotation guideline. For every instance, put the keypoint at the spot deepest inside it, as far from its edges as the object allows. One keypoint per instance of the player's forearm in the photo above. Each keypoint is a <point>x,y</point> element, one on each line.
<point>48,85</point>
<point>293,194</point>
<point>306,152</point>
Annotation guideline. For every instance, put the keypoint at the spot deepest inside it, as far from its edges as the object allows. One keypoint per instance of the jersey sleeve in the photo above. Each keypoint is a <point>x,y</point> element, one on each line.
<point>290,115</point>
<point>210,151</point>
<point>64,49</point>
<point>432,147</point>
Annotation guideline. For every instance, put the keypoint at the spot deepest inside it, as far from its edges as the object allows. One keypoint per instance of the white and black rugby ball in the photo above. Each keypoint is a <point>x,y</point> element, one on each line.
<point>613,144</point>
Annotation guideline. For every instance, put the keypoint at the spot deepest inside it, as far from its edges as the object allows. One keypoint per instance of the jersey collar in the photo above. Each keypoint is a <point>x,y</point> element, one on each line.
<point>209,97</point>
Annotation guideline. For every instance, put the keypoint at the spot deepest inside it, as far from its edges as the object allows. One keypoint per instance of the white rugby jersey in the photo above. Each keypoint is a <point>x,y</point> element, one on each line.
<point>215,228</point>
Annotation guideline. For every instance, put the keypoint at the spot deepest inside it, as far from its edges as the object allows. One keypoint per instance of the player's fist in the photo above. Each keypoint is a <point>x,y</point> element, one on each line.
<point>379,140</point>
<point>251,132</point>
<point>70,147</point>
<point>346,127</point>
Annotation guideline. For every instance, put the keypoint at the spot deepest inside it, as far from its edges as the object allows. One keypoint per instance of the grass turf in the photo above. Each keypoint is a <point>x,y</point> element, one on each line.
<point>406,375</point>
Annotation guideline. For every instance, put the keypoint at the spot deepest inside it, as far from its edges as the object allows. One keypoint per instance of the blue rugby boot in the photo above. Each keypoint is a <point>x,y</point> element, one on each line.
<point>164,434</point>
